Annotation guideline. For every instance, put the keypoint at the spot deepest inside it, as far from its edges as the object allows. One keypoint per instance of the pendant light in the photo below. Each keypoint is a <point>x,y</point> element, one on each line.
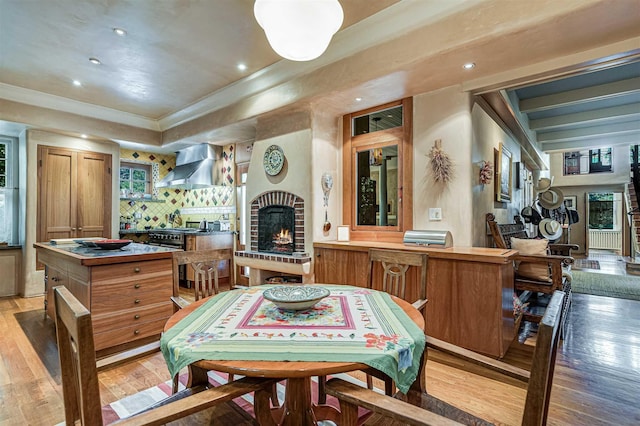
<point>299,30</point>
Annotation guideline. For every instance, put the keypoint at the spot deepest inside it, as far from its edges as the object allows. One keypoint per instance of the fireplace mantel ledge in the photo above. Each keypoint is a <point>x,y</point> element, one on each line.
<point>273,262</point>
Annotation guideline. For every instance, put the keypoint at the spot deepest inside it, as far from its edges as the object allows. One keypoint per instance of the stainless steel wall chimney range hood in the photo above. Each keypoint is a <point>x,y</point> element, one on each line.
<point>195,168</point>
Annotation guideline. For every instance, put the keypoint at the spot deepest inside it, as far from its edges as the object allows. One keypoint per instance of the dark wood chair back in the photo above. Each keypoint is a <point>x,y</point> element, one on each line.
<point>80,390</point>
<point>503,232</point>
<point>424,409</point>
<point>543,364</point>
<point>205,265</point>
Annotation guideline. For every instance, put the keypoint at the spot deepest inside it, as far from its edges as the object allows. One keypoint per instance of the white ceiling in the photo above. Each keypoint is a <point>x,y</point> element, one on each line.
<point>175,73</point>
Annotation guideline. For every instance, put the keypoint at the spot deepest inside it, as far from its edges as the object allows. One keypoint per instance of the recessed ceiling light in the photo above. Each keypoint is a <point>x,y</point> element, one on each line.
<point>77,83</point>
<point>242,67</point>
<point>120,32</point>
<point>358,99</point>
<point>95,61</point>
<point>83,136</point>
<point>469,65</point>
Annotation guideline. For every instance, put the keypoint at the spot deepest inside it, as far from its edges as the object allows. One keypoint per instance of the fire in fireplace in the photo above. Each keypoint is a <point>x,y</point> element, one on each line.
<point>275,229</point>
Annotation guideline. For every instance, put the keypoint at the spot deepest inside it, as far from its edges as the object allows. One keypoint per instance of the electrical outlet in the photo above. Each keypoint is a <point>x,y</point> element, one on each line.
<point>435,213</point>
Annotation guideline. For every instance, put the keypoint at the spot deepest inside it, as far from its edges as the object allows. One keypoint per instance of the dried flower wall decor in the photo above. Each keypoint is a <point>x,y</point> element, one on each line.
<point>441,164</point>
<point>486,172</point>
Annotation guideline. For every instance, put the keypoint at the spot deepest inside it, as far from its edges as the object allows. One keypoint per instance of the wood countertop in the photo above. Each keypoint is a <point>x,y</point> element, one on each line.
<point>470,254</point>
<point>91,257</point>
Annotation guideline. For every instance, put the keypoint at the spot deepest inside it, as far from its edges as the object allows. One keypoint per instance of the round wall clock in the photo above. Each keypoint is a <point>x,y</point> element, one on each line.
<point>273,160</point>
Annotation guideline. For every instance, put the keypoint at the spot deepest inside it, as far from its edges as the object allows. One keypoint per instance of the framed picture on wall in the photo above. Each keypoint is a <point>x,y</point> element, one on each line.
<point>503,175</point>
<point>570,202</point>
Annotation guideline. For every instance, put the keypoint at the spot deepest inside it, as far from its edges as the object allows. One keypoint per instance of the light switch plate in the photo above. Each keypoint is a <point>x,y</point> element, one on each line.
<point>435,213</point>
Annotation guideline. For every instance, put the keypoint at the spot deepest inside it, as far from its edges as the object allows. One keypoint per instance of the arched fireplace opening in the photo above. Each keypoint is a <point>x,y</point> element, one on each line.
<point>276,229</point>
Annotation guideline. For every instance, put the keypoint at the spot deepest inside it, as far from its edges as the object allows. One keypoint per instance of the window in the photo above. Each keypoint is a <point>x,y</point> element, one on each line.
<point>8,191</point>
<point>587,162</point>
<point>377,160</point>
<point>134,179</point>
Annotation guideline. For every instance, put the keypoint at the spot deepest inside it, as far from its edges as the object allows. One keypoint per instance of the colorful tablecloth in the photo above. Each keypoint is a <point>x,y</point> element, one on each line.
<point>351,325</point>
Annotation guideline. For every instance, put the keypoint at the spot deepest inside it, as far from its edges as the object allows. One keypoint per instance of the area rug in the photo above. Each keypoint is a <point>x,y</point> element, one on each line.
<point>135,403</point>
<point>620,286</point>
<point>585,264</point>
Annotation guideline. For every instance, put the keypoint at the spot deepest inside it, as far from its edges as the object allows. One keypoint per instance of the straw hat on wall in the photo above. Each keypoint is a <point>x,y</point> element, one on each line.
<point>543,184</point>
<point>550,229</point>
<point>551,199</point>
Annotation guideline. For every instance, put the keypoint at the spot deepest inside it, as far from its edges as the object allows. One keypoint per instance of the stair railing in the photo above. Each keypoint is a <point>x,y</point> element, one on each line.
<point>634,212</point>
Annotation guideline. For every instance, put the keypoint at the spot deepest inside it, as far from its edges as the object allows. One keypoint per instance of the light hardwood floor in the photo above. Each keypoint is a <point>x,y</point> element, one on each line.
<point>597,379</point>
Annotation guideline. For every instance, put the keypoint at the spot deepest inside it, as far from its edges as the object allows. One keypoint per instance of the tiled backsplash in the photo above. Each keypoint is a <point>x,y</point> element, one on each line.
<point>207,203</point>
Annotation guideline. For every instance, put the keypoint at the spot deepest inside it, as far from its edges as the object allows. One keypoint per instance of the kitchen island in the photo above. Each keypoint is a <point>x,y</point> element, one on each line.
<point>127,290</point>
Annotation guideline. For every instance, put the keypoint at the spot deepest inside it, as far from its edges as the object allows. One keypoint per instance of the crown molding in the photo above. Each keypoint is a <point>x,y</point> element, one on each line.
<point>59,103</point>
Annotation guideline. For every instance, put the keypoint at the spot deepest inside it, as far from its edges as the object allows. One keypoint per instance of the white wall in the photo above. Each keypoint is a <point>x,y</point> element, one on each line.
<point>620,174</point>
<point>295,176</point>
<point>445,115</point>
<point>580,185</point>
<point>34,280</point>
<point>326,149</point>
<point>487,136</point>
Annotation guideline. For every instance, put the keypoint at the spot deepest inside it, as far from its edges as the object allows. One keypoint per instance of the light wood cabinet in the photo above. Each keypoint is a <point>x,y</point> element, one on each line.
<point>470,289</point>
<point>74,194</point>
<point>129,296</point>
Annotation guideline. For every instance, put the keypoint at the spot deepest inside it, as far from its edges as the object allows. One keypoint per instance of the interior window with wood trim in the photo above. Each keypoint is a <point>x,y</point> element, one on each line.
<point>378,169</point>
<point>135,178</point>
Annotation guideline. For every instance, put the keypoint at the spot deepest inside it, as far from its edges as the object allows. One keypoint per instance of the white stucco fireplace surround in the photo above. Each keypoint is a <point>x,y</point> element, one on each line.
<point>308,138</point>
<point>263,265</point>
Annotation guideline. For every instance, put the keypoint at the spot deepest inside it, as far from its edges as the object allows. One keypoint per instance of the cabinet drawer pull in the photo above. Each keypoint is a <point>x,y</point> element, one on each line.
<point>54,279</point>
<point>136,332</point>
<point>136,286</point>
<point>136,317</point>
<point>136,301</point>
<point>136,270</point>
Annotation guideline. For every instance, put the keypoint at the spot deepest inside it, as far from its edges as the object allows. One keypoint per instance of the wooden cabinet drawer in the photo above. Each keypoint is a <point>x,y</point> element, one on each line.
<point>128,334</point>
<point>131,287</point>
<point>131,317</point>
<point>107,274</point>
<point>118,302</point>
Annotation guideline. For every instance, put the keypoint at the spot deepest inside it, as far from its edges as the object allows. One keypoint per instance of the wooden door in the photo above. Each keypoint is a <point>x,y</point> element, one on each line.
<point>74,194</point>
<point>57,207</point>
<point>93,195</point>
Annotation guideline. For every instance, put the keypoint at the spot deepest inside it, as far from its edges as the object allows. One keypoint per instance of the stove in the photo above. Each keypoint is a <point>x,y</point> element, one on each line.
<point>168,238</point>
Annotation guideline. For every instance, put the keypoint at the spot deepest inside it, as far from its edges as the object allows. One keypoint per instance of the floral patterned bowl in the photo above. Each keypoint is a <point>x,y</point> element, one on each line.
<point>295,298</point>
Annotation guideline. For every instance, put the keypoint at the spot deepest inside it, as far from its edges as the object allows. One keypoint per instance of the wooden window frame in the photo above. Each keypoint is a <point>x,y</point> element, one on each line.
<point>376,139</point>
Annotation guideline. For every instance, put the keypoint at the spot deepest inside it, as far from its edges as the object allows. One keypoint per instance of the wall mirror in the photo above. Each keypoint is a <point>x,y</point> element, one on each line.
<point>377,186</point>
<point>378,166</point>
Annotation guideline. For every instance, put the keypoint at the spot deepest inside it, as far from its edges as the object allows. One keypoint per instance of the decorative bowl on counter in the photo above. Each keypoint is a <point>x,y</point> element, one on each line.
<point>295,298</point>
<point>111,244</point>
<point>86,243</point>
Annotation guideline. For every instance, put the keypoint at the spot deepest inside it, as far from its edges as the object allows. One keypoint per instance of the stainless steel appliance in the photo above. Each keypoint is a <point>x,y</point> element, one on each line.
<point>195,168</point>
<point>168,238</point>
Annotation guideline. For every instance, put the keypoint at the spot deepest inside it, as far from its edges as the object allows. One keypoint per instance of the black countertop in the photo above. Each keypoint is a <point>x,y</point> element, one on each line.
<point>95,256</point>
<point>186,231</point>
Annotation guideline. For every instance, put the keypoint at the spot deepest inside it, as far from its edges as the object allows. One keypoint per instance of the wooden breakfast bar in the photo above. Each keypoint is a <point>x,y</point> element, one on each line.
<point>470,289</point>
<point>128,290</point>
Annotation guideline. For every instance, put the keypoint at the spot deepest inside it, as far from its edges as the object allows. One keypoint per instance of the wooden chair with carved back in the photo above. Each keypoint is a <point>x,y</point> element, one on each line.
<point>395,265</point>
<point>420,408</point>
<point>81,393</point>
<point>205,264</point>
<point>541,268</point>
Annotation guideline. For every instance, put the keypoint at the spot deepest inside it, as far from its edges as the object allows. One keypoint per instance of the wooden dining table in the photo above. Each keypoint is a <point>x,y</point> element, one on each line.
<point>297,408</point>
